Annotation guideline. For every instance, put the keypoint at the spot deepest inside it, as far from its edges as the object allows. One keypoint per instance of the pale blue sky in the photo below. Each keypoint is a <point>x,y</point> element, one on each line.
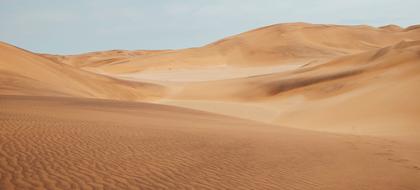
<point>75,26</point>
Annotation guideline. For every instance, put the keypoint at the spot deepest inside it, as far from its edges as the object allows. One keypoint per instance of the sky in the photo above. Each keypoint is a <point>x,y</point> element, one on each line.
<point>77,26</point>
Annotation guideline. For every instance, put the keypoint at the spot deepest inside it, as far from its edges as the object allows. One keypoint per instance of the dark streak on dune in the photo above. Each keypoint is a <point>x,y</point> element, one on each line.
<point>277,87</point>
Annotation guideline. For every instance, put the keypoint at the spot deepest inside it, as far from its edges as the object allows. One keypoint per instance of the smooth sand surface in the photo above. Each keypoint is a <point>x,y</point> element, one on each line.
<point>287,106</point>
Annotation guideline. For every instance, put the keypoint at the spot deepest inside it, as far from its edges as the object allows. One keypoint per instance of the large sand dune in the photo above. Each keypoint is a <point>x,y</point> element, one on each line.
<point>25,73</point>
<point>373,91</point>
<point>287,106</point>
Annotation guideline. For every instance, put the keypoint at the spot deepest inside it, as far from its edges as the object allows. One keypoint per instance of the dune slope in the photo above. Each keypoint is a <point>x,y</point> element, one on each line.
<point>388,76</point>
<point>25,73</point>
<point>69,143</point>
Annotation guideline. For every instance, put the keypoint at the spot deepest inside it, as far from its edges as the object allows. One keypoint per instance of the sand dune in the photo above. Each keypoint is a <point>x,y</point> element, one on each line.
<point>308,96</point>
<point>68,143</point>
<point>401,56</point>
<point>287,106</point>
<point>271,45</point>
<point>25,73</point>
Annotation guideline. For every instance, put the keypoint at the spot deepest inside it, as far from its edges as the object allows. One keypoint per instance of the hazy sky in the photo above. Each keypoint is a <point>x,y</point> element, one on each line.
<point>75,26</point>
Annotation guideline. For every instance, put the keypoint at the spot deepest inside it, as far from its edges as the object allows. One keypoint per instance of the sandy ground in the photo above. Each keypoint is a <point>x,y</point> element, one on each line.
<point>287,106</point>
<point>68,143</point>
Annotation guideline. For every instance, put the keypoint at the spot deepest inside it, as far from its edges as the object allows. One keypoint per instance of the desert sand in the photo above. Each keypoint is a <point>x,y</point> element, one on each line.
<point>287,106</point>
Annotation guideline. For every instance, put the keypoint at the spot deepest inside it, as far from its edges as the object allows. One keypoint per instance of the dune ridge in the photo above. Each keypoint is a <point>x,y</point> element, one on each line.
<point>276,44</point>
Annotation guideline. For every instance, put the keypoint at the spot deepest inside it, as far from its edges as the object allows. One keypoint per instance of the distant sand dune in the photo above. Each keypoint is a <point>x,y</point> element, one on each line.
<point>272,45</point>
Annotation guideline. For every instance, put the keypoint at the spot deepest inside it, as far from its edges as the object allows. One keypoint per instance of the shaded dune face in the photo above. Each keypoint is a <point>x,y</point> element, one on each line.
<point>69,143</point>
<point>275,88</point>
<point>287,106</point>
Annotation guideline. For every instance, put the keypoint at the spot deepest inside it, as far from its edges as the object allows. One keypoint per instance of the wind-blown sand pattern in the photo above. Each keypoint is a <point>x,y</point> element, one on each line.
<point>83,143</point>
<point>288,106</point>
